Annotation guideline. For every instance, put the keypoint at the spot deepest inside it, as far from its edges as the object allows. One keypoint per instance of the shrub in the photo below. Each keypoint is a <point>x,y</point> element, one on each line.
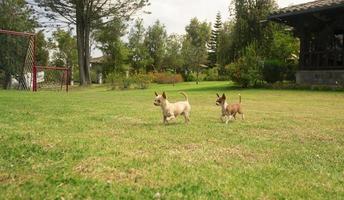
<point>119,81</point>
<point>273,71</point>
<point>167,78</point>
<point>211,74</point>
<point>246,71</point>
<point>141,81</point>
<point>290,74</point>
<point>94,76</point>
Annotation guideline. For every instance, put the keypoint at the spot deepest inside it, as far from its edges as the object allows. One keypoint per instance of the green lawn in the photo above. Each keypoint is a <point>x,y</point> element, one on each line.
<point>100,144</point>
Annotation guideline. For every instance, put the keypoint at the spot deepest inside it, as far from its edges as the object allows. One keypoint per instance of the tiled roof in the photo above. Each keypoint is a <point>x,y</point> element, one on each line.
<point>310,6</point>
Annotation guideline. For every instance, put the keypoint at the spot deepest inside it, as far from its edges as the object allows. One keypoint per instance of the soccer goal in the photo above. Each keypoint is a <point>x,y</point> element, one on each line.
<point>18,67</point>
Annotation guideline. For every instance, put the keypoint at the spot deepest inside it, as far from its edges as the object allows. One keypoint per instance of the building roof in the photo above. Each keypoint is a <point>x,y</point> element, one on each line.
<point>307,8</point>
<point>97,60</point>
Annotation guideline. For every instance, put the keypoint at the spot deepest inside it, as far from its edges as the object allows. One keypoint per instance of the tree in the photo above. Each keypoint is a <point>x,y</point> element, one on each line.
<point>86,15</point>
<point>248,27</point>
<point>65,54</point>
<point>225,48</point>
<point>42,52</point>
<point>173,57</point>
<point>138,55</point>
<point>246,71</point>
<point>195,44</point>
<point>15,16</point>
<point>109,42</point>
<point>213,44</point>
<point>155,42</point>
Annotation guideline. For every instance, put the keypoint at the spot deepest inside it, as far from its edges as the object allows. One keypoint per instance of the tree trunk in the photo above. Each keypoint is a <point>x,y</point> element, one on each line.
<point>7,81</point>
<point>87,52</point>
<point>80,44</point>
<point>197,75</point>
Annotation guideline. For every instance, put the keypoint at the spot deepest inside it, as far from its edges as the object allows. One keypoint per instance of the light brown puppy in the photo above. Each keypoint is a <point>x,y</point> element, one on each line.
<point>229,111</point>
<point>171,110</point>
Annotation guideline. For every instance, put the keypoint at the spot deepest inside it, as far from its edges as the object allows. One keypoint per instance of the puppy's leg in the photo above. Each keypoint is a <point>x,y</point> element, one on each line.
<point>165,120</point>
<point>242,115</point>
<point>187,117</point>
<point>170,118</point>
<point>227,119</point>
<point>223,118</point>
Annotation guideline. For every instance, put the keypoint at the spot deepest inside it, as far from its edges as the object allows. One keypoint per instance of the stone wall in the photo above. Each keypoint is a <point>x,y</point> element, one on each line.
<point>323,77</point>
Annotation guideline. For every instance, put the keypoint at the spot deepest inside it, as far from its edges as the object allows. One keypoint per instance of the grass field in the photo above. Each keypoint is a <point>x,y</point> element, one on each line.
<point>99,144</point>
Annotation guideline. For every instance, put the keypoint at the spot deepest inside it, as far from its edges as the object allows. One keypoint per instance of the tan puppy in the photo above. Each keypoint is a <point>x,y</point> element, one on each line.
<point>229,111</point>
<point>171,110</point>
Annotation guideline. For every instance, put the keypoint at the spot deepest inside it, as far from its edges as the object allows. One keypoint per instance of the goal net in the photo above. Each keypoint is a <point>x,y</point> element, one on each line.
<point>52,78</point>
<point>18,68</point>
<point>17,59</point>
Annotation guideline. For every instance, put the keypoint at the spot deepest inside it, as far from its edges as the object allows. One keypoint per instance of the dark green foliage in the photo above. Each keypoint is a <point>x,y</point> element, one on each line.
<point>273,70</point>
<point>226,51</point>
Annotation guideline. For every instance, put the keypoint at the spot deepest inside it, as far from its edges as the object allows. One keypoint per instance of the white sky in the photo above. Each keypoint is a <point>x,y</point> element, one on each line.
<point>176,14</point>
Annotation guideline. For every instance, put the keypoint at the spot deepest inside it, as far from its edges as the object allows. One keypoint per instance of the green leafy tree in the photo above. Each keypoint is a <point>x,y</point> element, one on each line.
<point>213,44</point>
<point>87,15</point>
<point>225,50</point>
<point>110,43</point>
<point>138,54</point>
<point>173,58</point>
<point>65,53</point>
<point>248,27</point>
<point>42,51</point>
<point>284,45</point>
<point>194,49</point>
<point>155,42</point>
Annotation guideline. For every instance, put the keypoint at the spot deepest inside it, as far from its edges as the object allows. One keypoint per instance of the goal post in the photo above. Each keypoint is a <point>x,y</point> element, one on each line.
<point>19,66</point>
<point>52,78</point>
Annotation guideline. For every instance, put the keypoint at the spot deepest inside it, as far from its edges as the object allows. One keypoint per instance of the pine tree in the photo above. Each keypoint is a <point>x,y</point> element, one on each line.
<point>214,39</point>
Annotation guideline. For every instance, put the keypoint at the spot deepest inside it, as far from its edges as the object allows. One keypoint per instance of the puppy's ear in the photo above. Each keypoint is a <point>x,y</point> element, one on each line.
<point>223,96</point>
<point>156,94</point>
<point>217,94</point>
<point>164,95</point>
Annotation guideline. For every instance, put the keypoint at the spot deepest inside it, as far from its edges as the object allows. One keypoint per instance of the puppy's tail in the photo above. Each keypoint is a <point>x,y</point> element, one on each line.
<point>239,98</point>
<point>186,96</point>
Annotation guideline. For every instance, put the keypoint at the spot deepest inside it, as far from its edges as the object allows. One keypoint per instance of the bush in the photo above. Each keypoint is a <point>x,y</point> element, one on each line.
<point>141,81</point>
<point>192,77</point>
<point>246,71</point>
<point>290,74</point>
<point>211,74</point>
<point>119,81</point>
<point>273,71</point>
<point>166,78</point>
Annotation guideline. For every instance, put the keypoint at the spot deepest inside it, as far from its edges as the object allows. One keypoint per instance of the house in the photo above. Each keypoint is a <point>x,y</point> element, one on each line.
<point>96,66</point>
<point>320,27</point>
